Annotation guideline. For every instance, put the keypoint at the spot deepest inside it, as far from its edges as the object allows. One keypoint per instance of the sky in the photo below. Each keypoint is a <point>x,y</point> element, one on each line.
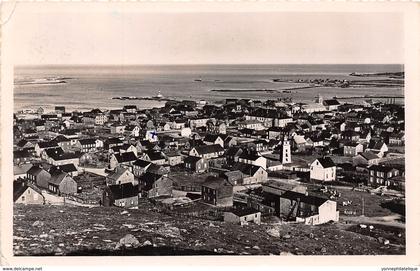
<point>121,37</point>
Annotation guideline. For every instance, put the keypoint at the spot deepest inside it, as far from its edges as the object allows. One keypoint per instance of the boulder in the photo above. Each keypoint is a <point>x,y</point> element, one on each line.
<point>128,240</point>
<point>38,224</point>
<point>273,232</point>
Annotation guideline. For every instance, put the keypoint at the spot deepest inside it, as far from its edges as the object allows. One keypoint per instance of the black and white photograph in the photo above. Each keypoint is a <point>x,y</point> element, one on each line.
<point>142,132</point>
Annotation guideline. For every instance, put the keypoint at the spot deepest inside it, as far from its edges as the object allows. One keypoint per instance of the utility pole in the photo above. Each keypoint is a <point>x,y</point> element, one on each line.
<point>363,206</point>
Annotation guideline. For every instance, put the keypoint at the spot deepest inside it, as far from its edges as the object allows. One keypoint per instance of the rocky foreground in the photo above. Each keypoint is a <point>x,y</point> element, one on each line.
<point>64,230</point>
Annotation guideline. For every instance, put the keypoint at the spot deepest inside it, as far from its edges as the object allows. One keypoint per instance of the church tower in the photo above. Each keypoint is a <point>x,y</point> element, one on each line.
<point>319,99</point>
<point>285,152</point>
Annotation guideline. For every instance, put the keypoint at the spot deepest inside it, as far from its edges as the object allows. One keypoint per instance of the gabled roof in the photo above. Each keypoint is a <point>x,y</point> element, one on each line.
<point>246,169</point>
<point>141,163</point>
<point>35,170</point>
<point>244,212</point>
<point>381,168</point>
<point>331,102</point>
<point>369,155</point>
<point>67,168</point>
<point>210,138</point>
<point>311,200</point>
<point>119,171</point>
<point>125,157</point>
<point>192,159</point>
<point>21,154</point>
<point>205,149</point>
<point>125,190</point>
<point>58,177</point>
<point>149,179</point>
<point>249,156</point>
<point>326,162</point>
<point>87,141</point>
<point>50,144</point>
<point>155,155</point>
<point>20,187</point>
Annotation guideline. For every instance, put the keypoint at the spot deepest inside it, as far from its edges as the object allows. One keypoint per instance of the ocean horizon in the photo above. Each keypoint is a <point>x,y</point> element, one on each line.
<point>94,86</point>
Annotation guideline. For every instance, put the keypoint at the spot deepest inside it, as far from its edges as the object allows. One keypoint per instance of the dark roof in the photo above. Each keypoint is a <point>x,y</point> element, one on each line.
<point>331,102</point>
<point>381,168</point>
<point>50,144</point>
<point>54,152</point>
<point>149,178</point>
<point>20,187</point>
<point>249,156</point>
<point>34,170</point>
<point>64,168</point>
<point>125,157</point>
<point>246,169</point>
<point>308,199</point>
<point>192,159</point>
<point>326,162</point>
<point>57,177</point>
<point>205,149</point>
<point>61,138</point>
<point>244,212</point>
<point>87,141</point>
<point>141,163</point>
<point>22,143</point>
<point>125,190</point>
<point>215,182</point>
<point>369,155</point>
<point>210,138</point>
<point>155,155</point>
<point>21,154</point>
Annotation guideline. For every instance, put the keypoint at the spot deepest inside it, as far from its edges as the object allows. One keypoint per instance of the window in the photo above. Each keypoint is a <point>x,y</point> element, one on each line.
<point>372,173</point>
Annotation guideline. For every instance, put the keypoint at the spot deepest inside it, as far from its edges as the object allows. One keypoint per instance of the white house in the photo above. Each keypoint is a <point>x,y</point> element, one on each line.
<point>323,169</point>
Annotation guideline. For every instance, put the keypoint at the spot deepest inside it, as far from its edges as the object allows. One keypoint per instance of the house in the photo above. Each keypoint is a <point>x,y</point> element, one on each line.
<point>122,159</point>
<point>63,142</point>
<point>232,154</point>
<point>59,159</point>
<point>307,209</point>
<point>252,158</point>
<point>130,108</point>
<point>155,157</point>
<point>366,158</point>
<point>242,216</point>
<point>331,104</point>
<point>67,168</point>
<point>397,139</point>
<point>350,135</point>
<point>252,174</point>
<point>86,145</point>
<point>250,124</point>
<point>40,146</point>
<point>173,158</point>
<point>20,171</point>
<point>117,128</point>
<point>211,139</point>
<point>21,156</point>
<point>378,146</point>
<point>62,183</point>
<point>121,195</point>
<point>323,169</point>
<point>217,191</point>
<point>380,175</point>
<point>112,142</point>
<point>140,167</point>
<point>196,164</point>
<point>24,144</point>
<point>352,149</point>
<point>120,176</point>
<point>24,193</point>
<point>38,176</point>
<point>234,177</point>
<point>154,185</point>
<point>207,151</point>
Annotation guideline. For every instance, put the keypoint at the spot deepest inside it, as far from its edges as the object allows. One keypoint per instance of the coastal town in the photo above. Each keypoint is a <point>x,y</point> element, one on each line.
<point>242,176</point>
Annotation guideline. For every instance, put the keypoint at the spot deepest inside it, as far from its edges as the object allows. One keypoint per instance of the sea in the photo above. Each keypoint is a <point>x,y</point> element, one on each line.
<point>90,87</point>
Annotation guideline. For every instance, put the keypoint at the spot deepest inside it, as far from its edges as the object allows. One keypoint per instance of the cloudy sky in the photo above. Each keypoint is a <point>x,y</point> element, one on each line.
<point>126,37</point>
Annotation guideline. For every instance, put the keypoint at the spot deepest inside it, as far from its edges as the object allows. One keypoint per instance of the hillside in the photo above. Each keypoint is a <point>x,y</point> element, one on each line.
<point>65,230</point>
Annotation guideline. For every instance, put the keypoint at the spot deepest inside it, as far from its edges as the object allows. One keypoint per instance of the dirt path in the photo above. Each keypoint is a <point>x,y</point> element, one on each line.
<point>390,220</point>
